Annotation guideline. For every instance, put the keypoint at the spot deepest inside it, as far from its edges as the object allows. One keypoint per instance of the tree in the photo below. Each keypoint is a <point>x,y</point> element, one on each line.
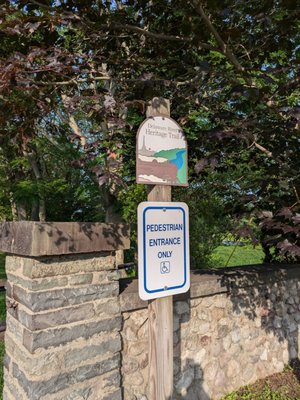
<point>229,68</point>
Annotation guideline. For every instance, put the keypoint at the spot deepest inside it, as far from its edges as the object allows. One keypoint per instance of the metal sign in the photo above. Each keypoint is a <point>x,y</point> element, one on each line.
<point>161,153</point>
<point>163,245</point>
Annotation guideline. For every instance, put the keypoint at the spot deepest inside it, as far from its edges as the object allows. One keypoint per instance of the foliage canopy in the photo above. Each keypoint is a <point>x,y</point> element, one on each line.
<point>75,77</point>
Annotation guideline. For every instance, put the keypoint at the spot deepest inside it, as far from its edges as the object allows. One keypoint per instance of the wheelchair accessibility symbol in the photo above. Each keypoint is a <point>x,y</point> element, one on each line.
<point>165,267</point>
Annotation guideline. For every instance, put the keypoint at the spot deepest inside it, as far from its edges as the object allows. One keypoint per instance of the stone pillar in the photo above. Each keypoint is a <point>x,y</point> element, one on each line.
<point>63,315</point>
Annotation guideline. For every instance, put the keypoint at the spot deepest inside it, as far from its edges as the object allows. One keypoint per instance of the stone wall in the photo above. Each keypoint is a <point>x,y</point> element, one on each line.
<point>234,328</point>
<point>62,340</point>
<point>75,331</point>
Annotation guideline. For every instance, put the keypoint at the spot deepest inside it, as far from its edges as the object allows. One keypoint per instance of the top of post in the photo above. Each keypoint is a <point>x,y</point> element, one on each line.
<point>158,106</point>
<point>28,238</point>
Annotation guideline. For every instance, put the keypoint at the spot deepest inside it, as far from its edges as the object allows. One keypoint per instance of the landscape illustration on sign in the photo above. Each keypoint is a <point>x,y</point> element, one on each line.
<point>161,152</point>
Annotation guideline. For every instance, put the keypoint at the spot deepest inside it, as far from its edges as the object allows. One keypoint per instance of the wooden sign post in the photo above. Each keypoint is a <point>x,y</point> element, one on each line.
<point>163,237</point>
<point>160,311</point>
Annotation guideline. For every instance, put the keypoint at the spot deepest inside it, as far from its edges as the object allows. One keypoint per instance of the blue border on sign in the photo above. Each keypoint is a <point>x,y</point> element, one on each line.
<point>144,247</point>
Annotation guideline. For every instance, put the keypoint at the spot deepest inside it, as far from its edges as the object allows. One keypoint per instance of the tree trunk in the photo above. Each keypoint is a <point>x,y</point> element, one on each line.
<point>21,211</point>
<point>35,210</point>
<point>13,206</point>
<point>38,176</point>
<point>112,216</point>
<point>42,209</point>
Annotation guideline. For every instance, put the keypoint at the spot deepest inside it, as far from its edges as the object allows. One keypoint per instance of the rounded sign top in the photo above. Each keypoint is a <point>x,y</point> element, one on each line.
<point>161,153</point>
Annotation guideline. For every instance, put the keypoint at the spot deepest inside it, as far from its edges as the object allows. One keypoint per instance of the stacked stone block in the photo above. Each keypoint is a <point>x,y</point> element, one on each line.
<point>135,354</point>
<point>62,339</point>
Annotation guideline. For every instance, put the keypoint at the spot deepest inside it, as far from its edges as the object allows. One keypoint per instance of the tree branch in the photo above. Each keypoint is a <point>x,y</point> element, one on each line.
<point>159,81</point>
<point>263,149</point>
<point>76,130</point>
<point>59,83</point>
<point>159,36</point>
<point>37,3</point>
<point>296,192</point>
<point>223,46</point>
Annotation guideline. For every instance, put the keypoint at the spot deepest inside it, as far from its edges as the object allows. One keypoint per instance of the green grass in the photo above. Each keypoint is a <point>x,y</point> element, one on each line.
<point>2,349</point>
<point>2,306</point>
<point>2,293</point>
<point>249,394</point>
<point>231,256</point>
<point>2,266</point>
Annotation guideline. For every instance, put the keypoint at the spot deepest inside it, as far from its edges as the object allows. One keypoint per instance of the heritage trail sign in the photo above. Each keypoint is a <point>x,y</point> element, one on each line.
<point>163,242</point>
<point>161,153</point>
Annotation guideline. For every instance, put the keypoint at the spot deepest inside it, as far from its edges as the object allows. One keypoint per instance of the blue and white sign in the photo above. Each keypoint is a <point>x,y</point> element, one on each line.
<point>163,248</point>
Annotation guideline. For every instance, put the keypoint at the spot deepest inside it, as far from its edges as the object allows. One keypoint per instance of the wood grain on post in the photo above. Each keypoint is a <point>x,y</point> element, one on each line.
<point>160,311</point>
